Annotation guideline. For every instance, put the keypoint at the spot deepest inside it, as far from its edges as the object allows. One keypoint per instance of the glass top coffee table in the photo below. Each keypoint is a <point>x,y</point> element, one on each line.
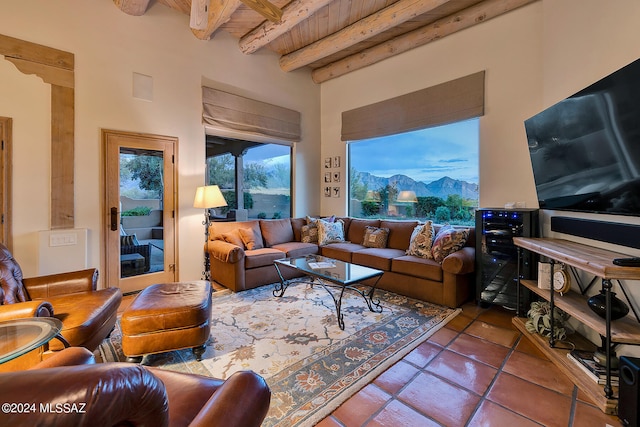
<point>331,274</point>
<point>20,336</point>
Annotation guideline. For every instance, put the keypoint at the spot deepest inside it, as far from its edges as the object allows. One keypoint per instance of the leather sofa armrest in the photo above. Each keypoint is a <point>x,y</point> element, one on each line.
<point>224,251</point>
<point>107,394</point>
<point>242,400</point>
<point>61,283</point>
<point>23,310</point>
<point>461,261</point>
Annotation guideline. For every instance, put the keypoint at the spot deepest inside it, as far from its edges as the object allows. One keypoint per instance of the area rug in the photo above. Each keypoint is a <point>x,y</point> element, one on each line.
<point>294,342</point>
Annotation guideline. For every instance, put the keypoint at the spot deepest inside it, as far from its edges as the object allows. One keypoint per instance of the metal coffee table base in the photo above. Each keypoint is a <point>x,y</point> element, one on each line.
<point>374,305</point>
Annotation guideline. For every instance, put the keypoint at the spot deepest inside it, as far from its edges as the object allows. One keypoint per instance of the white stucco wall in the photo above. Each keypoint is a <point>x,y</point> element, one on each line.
<point>109,46</point>
<point>533,57</point>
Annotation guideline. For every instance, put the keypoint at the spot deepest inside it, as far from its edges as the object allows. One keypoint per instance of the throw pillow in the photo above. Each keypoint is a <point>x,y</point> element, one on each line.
<point>421,241</point>
<point>313,221</point>
<point>375,237</point>
<point>330,232</point>
<point>234,238</point>
<point>129,240</point>
<point>309,234</point>
<point>448,241</point>
<point>250,239</point>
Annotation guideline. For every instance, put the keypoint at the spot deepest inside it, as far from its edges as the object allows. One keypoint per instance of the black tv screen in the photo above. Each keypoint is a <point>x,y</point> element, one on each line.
<point>585,150</point>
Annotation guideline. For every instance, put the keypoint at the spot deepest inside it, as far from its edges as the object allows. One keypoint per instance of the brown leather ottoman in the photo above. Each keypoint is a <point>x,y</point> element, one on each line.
<point>165,317</point>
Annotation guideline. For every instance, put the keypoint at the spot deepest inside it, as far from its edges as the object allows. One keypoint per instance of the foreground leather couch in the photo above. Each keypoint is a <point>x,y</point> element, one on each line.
<point>124,394</point>
<point>238,266</point>
<point>88,315</point>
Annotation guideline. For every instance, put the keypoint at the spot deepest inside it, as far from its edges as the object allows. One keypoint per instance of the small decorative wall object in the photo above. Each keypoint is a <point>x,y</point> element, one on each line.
<point>327,163</point>
<point>336,161</point>
<point>327,177</point>
<point>336,177</point>
<point>327,191</point>
<point>336,191</point>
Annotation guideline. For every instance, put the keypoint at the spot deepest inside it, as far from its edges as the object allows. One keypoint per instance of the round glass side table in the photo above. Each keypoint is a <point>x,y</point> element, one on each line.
<point>20,336</point>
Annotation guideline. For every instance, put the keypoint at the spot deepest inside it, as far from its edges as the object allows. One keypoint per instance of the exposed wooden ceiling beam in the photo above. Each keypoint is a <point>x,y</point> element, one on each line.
<point>265,8</point>
<point>292,14</point>
<point>132,7</point>
<point>199,14</point>
<point>219,12</point>
<point>387,18</point>
<point>467,18</point>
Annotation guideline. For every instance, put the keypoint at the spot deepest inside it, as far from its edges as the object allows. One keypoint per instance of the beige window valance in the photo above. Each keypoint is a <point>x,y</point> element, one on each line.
<point>447,102</point>
<point>228,111</point>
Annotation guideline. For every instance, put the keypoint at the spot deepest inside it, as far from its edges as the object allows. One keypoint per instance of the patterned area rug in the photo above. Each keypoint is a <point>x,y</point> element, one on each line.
<point>294,342</point>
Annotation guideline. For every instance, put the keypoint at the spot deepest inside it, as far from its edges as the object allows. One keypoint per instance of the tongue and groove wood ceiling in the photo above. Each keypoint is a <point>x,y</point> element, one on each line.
<point>332,37</point>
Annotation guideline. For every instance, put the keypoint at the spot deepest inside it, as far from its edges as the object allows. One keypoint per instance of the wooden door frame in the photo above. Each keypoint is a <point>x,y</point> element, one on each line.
<point>106,217</point>
<point>6,124</point>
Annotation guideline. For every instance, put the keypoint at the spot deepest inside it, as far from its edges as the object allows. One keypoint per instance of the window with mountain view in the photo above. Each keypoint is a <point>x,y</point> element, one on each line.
<point>429,174</point>
<point>266,175</point>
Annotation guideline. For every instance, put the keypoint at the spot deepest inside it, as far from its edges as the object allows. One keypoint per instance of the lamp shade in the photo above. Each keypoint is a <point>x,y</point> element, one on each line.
<point>407,196</point>
<point>209,196</point>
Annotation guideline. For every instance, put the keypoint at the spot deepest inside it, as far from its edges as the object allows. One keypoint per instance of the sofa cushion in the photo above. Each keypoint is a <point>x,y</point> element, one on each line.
<point>375,237</point>
<point>296,225</point>
<point>422,241</point>
<point>357,228</point>
<point>341,251</point>
<point>447,241</point>
<point>330,232</point>
<point>234,238</point>
<point>418,267</point>
<point>262,257</point>
<point>275,231</point>
<point>297,249</point>
<point>251,238</point>
<point>83,314</point>
<point>399,233</point>
<point>379,258</point>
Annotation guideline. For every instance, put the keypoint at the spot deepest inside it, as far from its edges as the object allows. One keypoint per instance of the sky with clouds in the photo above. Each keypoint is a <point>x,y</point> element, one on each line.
<point>425,155</point>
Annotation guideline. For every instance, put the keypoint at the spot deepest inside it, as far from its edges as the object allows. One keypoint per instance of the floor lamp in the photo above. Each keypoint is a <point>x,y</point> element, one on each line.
<point>208,197</point>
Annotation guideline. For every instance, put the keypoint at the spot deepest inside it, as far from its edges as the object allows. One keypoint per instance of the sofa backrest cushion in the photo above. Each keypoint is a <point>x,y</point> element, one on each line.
<point>297,224</point>
<point>399,233</point>
<point>276,231</point>
<point>357,228</point>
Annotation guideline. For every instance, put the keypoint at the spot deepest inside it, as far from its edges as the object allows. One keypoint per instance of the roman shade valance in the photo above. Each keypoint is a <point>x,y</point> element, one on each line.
<point>448,102</point>
<point>236,113</point>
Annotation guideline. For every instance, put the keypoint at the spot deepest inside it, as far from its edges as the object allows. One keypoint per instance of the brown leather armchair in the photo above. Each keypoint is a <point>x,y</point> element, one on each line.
<point>118,394</point>
<point>88,315</point>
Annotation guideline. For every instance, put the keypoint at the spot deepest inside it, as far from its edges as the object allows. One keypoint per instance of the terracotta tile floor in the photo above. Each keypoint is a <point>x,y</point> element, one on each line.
<point>476,371</point>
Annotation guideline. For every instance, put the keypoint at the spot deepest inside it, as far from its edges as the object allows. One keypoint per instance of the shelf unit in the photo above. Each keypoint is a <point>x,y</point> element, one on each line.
<point>598,262</point>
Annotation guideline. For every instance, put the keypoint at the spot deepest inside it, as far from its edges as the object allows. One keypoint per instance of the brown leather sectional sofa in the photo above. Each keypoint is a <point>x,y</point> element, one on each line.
<point>239,268</point>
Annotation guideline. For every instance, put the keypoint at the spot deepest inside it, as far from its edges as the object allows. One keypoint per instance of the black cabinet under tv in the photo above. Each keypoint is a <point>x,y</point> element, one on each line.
<point>497,256</point>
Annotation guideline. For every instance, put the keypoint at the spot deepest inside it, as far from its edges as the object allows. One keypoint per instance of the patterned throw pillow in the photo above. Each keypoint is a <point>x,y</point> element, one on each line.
<point>130,240</point>
<point>250,239</point>
<point>309,234</point>
<point>421,241</point>
<point>330,232</point>
<point>375,237</point>
<point>448,241</point>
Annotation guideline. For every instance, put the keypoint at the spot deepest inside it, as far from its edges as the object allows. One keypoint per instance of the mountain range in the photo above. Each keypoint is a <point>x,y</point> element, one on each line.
<point>439,188</point>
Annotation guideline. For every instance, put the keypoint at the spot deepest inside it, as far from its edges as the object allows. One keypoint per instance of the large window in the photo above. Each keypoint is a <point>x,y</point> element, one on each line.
<point>264,171</point>
<point>426,174</point>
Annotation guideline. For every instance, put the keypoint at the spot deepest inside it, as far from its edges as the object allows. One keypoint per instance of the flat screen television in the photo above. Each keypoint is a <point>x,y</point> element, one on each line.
<point>585,150</point>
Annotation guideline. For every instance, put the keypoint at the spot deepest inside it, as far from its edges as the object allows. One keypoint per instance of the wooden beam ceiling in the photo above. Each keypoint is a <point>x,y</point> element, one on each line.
<point>332,37</point>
